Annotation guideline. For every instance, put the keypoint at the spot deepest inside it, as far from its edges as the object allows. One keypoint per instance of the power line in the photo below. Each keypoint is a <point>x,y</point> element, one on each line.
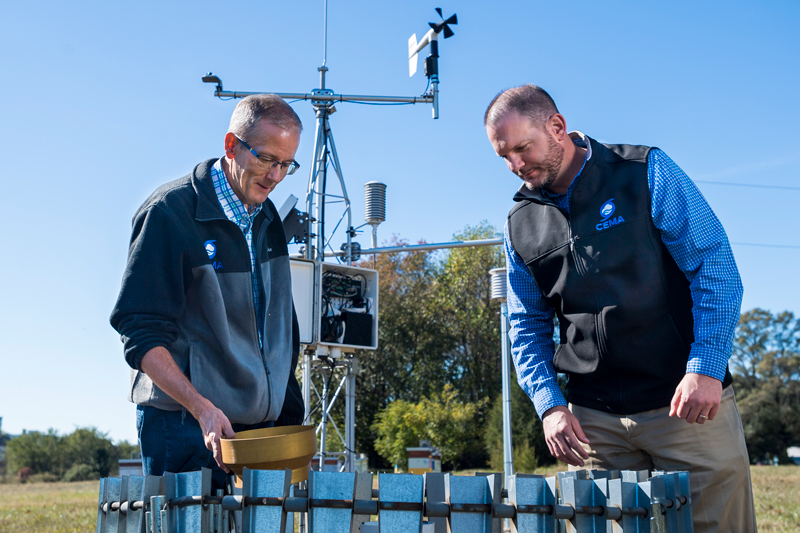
<point>785,187</point>
<point>792,246</point>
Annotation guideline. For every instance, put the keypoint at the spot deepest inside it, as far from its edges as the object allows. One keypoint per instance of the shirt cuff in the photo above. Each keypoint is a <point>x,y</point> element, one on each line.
<point>708,362</point>
<point>548,396</point>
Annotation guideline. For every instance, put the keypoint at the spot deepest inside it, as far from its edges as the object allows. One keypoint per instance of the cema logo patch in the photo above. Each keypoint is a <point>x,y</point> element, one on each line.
<point>607,210</point>
<point>211,249</point>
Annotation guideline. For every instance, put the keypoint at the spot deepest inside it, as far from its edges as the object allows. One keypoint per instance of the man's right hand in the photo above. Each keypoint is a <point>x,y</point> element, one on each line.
<point>563,435</point>
<point>215,425</point>
<point>161,368</point>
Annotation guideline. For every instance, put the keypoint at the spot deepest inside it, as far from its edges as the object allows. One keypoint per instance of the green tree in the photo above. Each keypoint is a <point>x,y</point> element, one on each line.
<point>126,450</point>
<point>766,370</point>
<point>408,364</point>
<point>41,452</point>
<point>438,326</point>
<point>80,472</point>
<point>527,433</point>
<point>472,323</point>
<point>87,446</point>
<point>84,452</point>
<point>442,419</point>
<point>471,317</point>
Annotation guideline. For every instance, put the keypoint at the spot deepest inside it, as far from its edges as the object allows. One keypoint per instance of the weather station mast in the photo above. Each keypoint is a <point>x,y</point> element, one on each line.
<point>336,302</point>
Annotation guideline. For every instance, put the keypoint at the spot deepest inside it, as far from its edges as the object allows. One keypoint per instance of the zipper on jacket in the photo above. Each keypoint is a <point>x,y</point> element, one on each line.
<point>259,244</point>
<point>269,395</point>
<point>601,343</point>
<point>600,327</point>
<point>575,258</point>
<point>259,340</point>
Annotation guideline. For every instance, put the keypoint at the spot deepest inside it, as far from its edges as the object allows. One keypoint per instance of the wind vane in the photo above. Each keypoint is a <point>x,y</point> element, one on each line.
<point>414,47</point>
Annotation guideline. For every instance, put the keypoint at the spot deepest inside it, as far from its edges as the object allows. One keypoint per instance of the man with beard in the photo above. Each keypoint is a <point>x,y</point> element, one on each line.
<point>618,243</point>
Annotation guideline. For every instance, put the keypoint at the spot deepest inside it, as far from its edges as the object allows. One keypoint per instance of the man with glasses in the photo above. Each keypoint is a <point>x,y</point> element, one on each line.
<point>205,311</point>
<point>618,243</point>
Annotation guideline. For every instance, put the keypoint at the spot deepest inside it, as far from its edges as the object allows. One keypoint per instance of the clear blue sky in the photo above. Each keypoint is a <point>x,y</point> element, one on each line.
<point>102,102</point>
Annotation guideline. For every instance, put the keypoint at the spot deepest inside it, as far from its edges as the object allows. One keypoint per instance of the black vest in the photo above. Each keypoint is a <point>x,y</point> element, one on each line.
<point>623,305</point>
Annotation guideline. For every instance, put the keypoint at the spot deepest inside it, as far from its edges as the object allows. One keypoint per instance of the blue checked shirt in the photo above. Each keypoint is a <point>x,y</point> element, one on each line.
<point>237,213</point>
<point>695,239</point>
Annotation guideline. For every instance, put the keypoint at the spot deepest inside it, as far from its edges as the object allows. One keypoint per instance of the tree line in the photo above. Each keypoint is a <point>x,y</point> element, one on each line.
<point>766,375</point>
<point>84,454</point>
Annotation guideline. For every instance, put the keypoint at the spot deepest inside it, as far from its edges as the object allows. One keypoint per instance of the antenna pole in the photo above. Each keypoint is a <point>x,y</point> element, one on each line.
<point>322,70</point>
<point>325,35</point>
<point>435,91</point>
<point>316,197</point>
<point>432,63</point>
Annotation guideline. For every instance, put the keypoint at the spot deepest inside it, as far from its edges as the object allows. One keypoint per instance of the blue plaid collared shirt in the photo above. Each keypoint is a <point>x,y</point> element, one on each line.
<point>237,213</point>
<point>695,239</point>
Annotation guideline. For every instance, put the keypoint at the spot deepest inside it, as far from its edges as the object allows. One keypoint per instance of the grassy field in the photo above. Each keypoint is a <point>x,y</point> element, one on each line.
<point>51,507</point>
<point>72,507</point>
<point>777,495</point>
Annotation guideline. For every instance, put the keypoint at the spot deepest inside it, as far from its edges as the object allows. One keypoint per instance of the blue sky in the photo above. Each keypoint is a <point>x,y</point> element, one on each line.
<point>102,102</point>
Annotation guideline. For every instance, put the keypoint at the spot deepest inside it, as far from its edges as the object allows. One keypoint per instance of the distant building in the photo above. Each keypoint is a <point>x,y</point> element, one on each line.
<point>360,463</point>
<point>332,463</point>
<point>424,459</point>
<point>794,454</point>
<point>131,467</point>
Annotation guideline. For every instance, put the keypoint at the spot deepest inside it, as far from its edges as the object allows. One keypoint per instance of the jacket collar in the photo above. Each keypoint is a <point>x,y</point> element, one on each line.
<point>208,206</point>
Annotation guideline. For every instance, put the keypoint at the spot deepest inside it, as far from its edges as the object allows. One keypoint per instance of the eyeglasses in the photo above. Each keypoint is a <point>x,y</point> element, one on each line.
<point>268,163</point>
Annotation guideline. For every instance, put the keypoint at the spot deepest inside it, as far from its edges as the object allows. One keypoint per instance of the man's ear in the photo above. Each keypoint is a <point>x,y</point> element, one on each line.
<point>557,126</point>
<point>230,144</point>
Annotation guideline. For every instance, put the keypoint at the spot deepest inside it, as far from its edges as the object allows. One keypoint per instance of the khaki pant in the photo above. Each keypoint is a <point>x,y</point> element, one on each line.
<point>714,453</point>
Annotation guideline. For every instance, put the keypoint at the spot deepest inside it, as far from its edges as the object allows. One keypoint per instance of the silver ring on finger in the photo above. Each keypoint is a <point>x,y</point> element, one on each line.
<point>702,417</point>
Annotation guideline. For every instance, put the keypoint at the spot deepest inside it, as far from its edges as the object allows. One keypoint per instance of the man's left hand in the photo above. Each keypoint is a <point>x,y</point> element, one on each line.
<point>697,398</point>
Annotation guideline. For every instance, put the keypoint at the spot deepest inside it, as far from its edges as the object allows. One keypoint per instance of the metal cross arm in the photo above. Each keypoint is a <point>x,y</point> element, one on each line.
<point>424,247</point>
<point>321,97</point>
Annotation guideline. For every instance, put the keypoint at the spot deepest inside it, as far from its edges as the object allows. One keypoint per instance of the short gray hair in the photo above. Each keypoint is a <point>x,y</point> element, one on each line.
<point>268,107</point>
<point>528,100</point>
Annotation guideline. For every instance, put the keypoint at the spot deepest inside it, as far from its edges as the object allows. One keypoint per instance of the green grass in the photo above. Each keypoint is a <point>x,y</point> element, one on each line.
<point>49,507</point>
<point>777,495</point>
<point>72,507</point>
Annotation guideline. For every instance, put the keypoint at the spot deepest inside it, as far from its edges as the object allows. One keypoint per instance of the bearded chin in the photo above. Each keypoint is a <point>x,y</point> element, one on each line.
<point>550,176</point>
<point>550,166</point>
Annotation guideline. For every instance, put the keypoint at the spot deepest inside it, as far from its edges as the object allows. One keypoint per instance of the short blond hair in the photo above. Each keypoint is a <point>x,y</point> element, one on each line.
<point>257,107</point>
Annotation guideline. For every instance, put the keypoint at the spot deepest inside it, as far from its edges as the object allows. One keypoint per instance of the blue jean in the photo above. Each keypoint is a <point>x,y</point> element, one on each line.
<point>172,441</point>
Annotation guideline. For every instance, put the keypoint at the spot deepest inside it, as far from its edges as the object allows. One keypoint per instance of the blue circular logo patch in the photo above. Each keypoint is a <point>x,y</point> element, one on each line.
<point>211,249</point>
<point>608,209</point>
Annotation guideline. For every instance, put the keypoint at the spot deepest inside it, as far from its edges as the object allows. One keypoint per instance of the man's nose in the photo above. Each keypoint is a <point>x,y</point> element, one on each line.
<point>515,163</point>
<point>276,174</point>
